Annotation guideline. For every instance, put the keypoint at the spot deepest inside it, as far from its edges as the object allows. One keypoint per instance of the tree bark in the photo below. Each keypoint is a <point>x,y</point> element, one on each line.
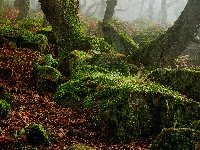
<point>110,9</point>
<point>150,11</point>
<point>62,15</point>
<point>164,11</point>
<point>23,6</point>
<point>165,49</point>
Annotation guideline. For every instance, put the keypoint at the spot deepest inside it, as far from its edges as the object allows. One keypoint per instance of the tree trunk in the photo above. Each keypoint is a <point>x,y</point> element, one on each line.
<point>165,49</point>
<point>1,3</point>
<point>62,15</point>
<point>110,9</point>
<point>23,6</point>
<point>150,11</point>
<point>141,9</point>
<point>164,11</point>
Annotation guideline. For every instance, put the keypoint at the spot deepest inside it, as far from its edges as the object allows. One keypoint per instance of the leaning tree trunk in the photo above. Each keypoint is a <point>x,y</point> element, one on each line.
<point>62,15</point>
<point>164,50</point>
<point>23,6</point>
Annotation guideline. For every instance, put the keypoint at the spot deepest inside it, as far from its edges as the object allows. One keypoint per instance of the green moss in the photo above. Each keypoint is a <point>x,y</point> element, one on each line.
<point>120,41</point>
<point>4,109</point>
<point>47,60</point>
<point>9,99</point>
<point>37,135</point>
<point>113,62</point>
<point>125,107</point>
<point>23,38</point>
<point>99,44</point>
<point>176,139</point>
<point>48,32</point>
<point>47,78</point>
<point>181,80</point>
<point>80,146</point>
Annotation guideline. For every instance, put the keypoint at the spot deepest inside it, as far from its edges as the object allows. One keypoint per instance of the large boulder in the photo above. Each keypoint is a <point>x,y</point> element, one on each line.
<point>176,139</point>
<point>125,107</point>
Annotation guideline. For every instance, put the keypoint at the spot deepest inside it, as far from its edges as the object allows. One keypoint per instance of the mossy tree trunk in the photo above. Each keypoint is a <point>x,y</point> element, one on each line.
<point>164,50</point>
<point>62,15</point>
<point>23,6</point>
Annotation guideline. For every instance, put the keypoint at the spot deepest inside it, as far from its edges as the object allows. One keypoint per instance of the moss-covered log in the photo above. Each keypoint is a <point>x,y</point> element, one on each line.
<point>164,50</point>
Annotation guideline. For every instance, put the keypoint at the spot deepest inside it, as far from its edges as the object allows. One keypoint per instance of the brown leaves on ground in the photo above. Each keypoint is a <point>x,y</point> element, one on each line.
<point>64,126</point>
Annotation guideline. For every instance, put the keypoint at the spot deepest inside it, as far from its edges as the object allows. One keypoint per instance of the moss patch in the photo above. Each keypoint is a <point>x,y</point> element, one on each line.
<point>125,107</point>
<point>178,139</point>
<point>24,38</point>
<point>4,109</point>
<point>184,81</point>
<point>120,41</point>
<point>37,136</point>
<point>47,78</point>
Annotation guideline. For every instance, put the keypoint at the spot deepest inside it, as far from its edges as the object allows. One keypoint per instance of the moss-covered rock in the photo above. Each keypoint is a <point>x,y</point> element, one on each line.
<point>111,61</point>
<point>120,41</point>
<point>24,38</point>
<point>176,139</point>
<point>80,146</point>
<point>47,31</point>
<point>37,135</point>
<point>184,81</point>
<point>47,78</point>
<point>4,109</point>
<point>125,107</point>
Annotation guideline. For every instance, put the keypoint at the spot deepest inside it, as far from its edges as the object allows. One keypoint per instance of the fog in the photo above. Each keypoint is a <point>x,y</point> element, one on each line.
<point>133,9</point>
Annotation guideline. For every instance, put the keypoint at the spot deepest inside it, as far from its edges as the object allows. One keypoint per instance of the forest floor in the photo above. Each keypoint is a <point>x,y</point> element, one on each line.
<point>63,125</point>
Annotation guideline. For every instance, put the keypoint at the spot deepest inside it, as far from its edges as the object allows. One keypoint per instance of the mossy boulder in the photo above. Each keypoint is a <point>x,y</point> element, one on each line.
<point>4,109</point>
<point>111,61</point>
<point>24,38</point>
<point>184,80</point>
<point>176,139</point>
<point>125,107</point>
<point>80,146</point>
<point>47,31</point>
<point>119,41</point>
<point>36,135</point>
<point>47,78</point>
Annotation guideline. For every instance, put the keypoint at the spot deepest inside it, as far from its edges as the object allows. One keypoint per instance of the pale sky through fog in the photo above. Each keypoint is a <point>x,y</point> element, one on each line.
<point>134,8</point>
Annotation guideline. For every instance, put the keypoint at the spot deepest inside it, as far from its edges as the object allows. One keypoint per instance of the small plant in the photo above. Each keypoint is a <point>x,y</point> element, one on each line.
<point>37,135</point>
<point>4,109</point>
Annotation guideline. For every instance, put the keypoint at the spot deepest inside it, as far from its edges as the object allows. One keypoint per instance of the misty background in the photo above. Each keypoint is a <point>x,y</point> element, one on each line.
<point>129,10</point>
